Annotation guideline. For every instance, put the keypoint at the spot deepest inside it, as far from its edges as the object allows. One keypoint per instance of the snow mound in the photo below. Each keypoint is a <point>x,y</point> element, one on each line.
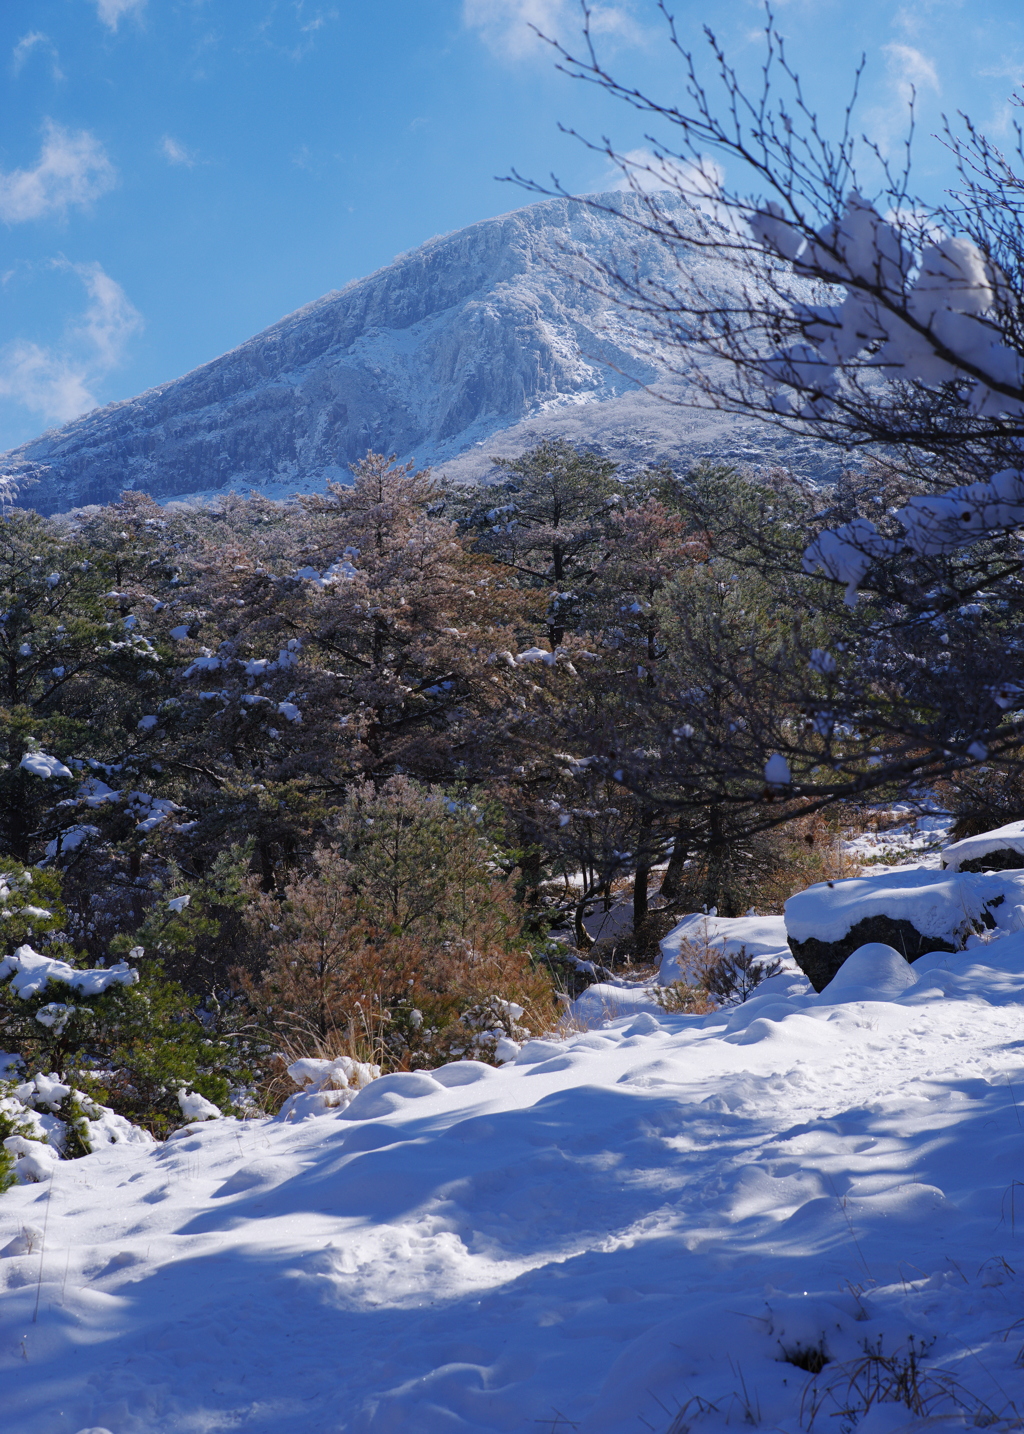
<point>763,936</point>
<point>326,1085</point>
<point>389,1094</point>
<point>874,972</point>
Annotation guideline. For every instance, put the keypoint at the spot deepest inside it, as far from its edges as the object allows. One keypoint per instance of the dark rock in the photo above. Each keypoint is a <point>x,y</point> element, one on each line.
<point>1004,860</point>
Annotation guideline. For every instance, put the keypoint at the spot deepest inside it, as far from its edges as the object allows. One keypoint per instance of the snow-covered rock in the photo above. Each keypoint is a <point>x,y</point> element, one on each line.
<point>491,329</point>
<point>874,972</point>
<point>913,909</point>
<point>998,850</point>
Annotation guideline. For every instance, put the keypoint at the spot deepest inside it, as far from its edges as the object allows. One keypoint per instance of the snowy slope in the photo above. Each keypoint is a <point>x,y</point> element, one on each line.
<point>632,1222</point>
<point>474,334</point>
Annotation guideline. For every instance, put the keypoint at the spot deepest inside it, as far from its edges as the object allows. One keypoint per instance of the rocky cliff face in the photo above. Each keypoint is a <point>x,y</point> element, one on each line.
<point>453,343</point>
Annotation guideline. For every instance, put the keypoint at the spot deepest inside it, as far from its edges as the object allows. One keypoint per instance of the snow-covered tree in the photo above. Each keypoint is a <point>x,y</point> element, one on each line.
<point>888,327</point>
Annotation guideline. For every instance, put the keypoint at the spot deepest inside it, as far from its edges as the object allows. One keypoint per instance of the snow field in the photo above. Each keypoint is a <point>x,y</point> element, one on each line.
<point>616,1227</point>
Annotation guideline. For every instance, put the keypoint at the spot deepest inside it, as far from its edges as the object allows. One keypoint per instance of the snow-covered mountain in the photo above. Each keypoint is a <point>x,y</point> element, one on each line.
<point>482,340</point>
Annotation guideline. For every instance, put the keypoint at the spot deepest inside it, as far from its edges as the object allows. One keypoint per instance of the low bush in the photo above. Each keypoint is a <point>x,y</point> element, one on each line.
<point>121,1036</point>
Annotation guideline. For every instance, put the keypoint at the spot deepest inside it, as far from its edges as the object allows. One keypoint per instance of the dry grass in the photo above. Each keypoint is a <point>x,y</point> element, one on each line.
<point>679,998</point>
<point>857,1385</point>
<point>812,851</point>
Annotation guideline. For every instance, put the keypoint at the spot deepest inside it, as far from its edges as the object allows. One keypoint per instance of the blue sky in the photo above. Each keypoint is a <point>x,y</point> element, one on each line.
<point>177,174</point>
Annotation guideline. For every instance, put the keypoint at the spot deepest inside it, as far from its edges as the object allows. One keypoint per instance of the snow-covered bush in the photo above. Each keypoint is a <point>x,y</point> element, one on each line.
<point>714,975</point>
<point>43,1120</point>
<point>326,1084</point>
<point>117,1035</point>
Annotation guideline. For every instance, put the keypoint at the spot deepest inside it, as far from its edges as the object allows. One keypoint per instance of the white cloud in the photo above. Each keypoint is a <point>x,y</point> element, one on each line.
<point>910,70</point>
<point>73,168</point>
<point>910,75</point>
<point>644,170</point>
<point>111,11</point>
<point>36,40</point>
<point>57,382</point>
<point>508,26</point>
<point>176,153</point>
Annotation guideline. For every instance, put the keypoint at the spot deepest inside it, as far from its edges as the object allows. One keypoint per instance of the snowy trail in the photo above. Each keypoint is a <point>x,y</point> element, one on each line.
<point>618,1224</point>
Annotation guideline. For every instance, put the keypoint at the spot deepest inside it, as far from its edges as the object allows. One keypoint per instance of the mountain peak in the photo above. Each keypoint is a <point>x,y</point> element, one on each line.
<point>470,336</point>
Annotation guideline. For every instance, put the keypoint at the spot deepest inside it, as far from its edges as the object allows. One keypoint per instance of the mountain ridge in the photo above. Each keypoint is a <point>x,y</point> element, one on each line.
<point>467,337</point>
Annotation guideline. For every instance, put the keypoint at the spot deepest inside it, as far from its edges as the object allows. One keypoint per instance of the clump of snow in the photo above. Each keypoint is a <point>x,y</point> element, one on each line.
<point>846,553</point>
<point>196,1107</point>
<point>340,571</point>
<point>776,771</point>
<point>34,1161</point>
<point>71,839</point>
<point>40,764</point>
<point>1006,838</point>
<point>94,793</point>
<point>30,972</point>
<point>55,1016</point>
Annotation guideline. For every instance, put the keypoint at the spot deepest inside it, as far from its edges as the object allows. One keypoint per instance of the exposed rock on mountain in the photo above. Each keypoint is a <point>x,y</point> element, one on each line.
<point>489,336</point>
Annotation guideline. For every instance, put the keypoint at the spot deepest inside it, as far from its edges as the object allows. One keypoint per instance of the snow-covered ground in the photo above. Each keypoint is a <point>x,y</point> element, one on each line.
<point>633,1222</point>
<point>913,836</point>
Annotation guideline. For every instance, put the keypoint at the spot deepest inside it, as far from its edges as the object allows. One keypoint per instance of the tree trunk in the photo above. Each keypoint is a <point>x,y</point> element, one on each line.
<point>643,870</point>
<point>581,935</point>
<point>673,878</point>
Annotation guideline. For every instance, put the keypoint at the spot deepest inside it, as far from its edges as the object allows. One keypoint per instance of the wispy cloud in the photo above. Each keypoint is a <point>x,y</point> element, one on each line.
<point>911,76</point>
<point>36,40</point>
<point>57,382</point>
<point>293,30</point>
<point>509,27</point>
<point>72,169</point>
<point>176,153</point>
<point>644,170</point>
<point>649,173</point>
<point>910,70</point>
<point>112,11</point>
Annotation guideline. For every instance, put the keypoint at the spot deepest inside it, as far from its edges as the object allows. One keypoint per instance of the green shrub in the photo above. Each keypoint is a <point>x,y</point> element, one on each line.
<point>132,1046</point>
